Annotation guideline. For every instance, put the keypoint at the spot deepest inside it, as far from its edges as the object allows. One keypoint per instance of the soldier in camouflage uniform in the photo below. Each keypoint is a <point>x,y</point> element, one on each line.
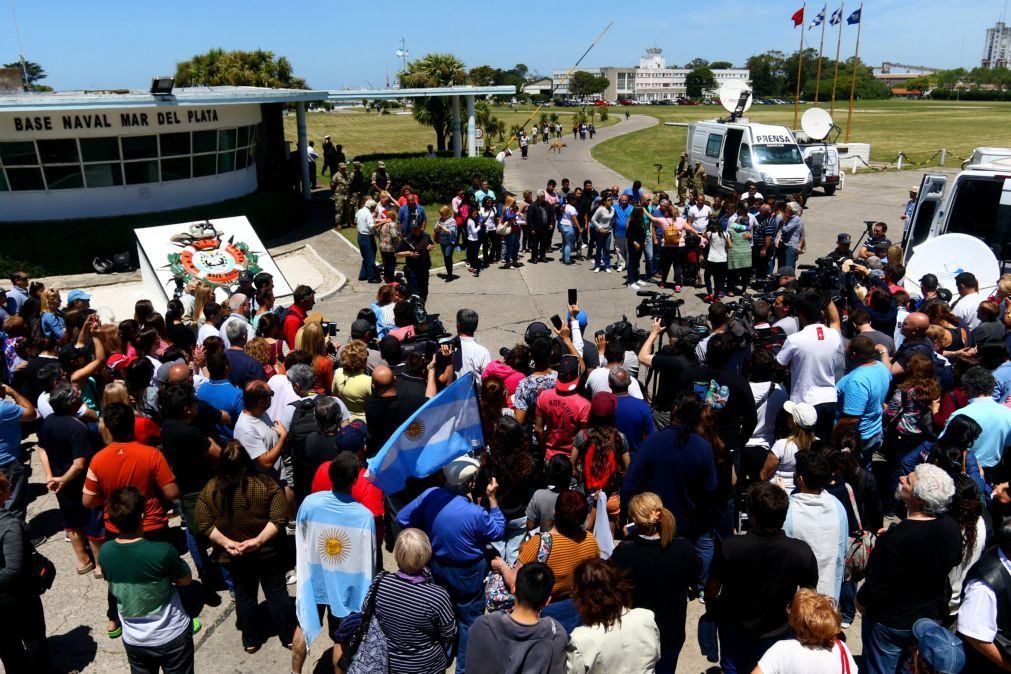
<point>683,175</point>
<point>699,178</point>
<point>358,187</point>
<point>340,189</point>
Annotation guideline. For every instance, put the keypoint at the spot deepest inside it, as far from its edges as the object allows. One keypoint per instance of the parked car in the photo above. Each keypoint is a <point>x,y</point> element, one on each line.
<point>601,103</point>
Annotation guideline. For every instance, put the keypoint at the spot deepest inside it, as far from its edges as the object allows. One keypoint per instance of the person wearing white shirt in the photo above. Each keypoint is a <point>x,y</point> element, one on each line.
<point>698,214</point>
<point>812,355</point>
<point>473,357</point>
<point>970,298</point>
<point>987,587</point>
<point>597,380</point>
<point>239,304</point>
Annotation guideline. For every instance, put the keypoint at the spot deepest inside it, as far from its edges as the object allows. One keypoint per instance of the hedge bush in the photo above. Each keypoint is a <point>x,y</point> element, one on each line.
<point>971,95</point>
<point>59,247</point>
<point>385,156</point>
<point>436,181</point>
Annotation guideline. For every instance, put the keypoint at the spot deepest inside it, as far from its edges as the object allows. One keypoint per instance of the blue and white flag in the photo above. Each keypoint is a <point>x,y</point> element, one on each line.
<point>446,427</point>
<point>836,17</point>
<point>818,19</point>
<point>335,552</point>
<point>854,18</point>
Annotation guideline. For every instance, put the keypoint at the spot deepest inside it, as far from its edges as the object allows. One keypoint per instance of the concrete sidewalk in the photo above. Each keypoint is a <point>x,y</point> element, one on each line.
<point>573,162</point>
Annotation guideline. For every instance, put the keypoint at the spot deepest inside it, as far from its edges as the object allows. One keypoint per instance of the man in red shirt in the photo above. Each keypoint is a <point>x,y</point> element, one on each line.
<point>304,299</point>
<point>561,412</point>
<point>126,463</point>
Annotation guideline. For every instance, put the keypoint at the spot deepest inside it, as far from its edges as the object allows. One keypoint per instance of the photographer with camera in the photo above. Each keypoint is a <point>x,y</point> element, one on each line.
<point>720,323</point>
<point>813,356</point>
<point>667,364</point>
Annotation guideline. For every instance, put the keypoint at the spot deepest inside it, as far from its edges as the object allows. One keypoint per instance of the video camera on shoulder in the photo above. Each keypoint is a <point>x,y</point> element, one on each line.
<point>664,306</point>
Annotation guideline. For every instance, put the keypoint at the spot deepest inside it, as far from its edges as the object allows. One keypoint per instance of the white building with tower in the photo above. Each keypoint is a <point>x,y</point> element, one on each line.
<point>651,80</point>
<point>997,46</point>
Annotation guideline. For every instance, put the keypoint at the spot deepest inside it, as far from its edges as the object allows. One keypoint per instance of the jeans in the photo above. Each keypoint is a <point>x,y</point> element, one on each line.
<point>207,569</point>
<point>23,645</point>
<point>17,502</point>
<point>568,237</point>
<point>883,646</point>
<point>741,653</point>
<point>512,246</point>
<point>473,251</point>
<point>632,268</point>
<point>564,612</point>
<point>250,574</point>
<point>465,583</point>
<point>417,281</point>
<point>539,241</point>
<point>709,644</point>
<point>603,258</point>
<point>760,264</point>
<point>621,249</point>
<point>447,255</point>
<point>847,601</point>
<point>671,256</point>
<point>789,257</point>
<point>650,266</point>
<point>716,278</point>
<point>705,546</point>
<point>367,247</point>
<point>509,549</point>
<point>174,657</point>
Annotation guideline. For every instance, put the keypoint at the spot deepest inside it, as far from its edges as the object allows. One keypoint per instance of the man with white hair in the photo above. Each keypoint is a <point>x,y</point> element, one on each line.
<point>365,221</point>
<point>239,306</point>
<point>459,530</point>
<point>907,573</point>
<point>244,368</point>
<point>791,236</point>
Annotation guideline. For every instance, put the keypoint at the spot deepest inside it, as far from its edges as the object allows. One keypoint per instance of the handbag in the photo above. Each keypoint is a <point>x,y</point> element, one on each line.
<point>860,547</point>
<point>368,647</point>
<point>504,228</point>
<point>497,596</point>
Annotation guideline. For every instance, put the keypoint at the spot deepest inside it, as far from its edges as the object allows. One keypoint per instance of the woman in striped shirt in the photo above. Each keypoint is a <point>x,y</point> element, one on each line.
<point>415,614</point>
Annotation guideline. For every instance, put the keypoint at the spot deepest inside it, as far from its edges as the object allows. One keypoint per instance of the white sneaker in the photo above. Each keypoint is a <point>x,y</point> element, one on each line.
<point>291,579</point>
<point>596,270</point>
<point>609,270</point>
<point>634,286</point>
<point>620,267</point>
<point>846,625</point>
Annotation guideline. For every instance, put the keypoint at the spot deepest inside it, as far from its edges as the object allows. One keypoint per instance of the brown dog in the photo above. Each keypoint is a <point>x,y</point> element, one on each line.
<point>557,146</point>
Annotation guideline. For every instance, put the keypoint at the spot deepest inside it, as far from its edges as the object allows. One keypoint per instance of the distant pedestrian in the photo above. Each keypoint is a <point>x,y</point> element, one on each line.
<point>311,156</point>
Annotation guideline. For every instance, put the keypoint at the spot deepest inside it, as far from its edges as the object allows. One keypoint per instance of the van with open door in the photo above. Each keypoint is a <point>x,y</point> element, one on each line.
<point>976,202</point>
<point>736,153</point>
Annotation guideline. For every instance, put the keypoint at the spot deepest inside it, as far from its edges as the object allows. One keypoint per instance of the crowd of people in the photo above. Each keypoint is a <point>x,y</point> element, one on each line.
<point>832,445</point>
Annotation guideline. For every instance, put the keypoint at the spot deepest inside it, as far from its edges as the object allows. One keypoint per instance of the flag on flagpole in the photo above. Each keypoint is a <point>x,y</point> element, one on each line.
<point>819,19</point>
<point>854,18</point>
<point>836,17</point>
<point>444,428</point>
<point>798,17</point>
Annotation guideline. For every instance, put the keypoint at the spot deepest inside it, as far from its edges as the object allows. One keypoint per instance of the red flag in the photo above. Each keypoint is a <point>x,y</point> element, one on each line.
<point>798,17</point>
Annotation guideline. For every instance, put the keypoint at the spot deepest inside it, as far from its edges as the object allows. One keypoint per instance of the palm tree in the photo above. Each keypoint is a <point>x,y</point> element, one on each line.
<point>434,70</point>
<point>544,118</point>
<point>553,117</point>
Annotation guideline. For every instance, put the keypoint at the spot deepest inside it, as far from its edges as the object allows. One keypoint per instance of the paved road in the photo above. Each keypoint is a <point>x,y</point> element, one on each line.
<point>507,301</point>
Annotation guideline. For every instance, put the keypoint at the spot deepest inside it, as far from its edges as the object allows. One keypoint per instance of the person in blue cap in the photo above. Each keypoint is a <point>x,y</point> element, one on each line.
<point>938,651</point>
<point>78,299</point>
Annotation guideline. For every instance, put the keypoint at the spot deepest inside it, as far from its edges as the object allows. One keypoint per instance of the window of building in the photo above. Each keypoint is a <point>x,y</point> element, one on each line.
<point>69,163</point>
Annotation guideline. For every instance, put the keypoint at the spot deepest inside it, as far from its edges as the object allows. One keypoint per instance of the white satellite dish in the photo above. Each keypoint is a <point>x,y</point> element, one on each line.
<point>730,95</point>
<point>949,255</point>
<point>816,123</point>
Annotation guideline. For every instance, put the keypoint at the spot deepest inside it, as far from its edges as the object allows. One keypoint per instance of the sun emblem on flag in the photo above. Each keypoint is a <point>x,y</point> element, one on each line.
<point>416,430</point>
<point>334,546</point>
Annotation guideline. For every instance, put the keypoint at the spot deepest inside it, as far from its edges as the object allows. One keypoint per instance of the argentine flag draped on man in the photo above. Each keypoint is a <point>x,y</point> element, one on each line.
<point>446,427</point>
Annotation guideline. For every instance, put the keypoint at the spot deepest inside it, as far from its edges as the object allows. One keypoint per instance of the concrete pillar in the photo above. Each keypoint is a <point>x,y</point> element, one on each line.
<point>303,145</point>
<point>457,140</point>
<point>471,128</point>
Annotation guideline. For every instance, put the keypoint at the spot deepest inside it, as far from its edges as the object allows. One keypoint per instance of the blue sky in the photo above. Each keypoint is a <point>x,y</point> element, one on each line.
<point>114,43</point>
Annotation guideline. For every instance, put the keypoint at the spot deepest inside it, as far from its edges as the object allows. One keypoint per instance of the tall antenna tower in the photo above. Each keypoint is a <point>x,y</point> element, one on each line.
<point>402,54</point>
<point>21,53</point>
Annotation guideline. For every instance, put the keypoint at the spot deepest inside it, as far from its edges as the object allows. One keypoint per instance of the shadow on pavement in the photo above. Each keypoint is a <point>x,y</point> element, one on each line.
<point>74,650</point>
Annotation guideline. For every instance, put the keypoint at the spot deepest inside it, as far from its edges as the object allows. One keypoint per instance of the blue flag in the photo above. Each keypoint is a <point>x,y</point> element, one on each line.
<point>446,427</point>
<point>818,19</point>
<point>854,18</point>
<point>836,17</point>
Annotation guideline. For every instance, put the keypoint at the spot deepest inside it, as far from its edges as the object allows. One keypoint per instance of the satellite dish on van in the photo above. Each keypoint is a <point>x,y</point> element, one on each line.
<point>816,123</point>
<point>730,96</point>
<point>949,255</point>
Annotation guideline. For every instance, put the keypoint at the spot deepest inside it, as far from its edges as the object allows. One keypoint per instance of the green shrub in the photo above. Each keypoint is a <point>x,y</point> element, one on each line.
<point>68,246</point>
<point>386,156</point>
<point>437,180</point>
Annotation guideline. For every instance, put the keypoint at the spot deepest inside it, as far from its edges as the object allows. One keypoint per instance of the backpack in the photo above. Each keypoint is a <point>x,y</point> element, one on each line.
<point>497,596</point>
<point>671,236</point>
<point>303,424</point>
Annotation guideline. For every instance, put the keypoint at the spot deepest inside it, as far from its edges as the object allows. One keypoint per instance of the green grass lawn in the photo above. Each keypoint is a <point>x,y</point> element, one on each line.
<point>367,133</point>
<point>916,128</point>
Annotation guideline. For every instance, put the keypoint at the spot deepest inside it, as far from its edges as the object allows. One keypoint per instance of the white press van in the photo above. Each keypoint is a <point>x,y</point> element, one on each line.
<point>977,202</point>
<point>735,153</point>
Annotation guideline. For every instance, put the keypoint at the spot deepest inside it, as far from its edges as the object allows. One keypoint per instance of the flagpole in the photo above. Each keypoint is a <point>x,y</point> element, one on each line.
<point>800,60</point>
<point>821,46</point>
<point>838,46</point>
<point>853,72</point>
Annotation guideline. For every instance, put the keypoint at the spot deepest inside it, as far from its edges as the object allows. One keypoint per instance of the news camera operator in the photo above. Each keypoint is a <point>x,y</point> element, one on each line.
<point>879,303</point>
<point>667,364</point>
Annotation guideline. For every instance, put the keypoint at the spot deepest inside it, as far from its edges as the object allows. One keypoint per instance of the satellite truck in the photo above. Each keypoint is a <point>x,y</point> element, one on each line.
<point>734,151</point>
<point>962,223</point>
<point>820,153</point>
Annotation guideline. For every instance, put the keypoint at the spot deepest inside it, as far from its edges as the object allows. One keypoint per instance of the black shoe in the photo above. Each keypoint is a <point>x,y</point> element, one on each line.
<point>39,540</point>
<point>375,280</point>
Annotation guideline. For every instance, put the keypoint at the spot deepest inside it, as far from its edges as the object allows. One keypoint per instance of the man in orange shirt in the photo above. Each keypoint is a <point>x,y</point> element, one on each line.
<point>126,463</point>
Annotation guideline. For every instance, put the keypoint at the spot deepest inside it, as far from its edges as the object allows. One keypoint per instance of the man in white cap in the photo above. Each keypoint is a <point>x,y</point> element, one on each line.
<point>459,530</point>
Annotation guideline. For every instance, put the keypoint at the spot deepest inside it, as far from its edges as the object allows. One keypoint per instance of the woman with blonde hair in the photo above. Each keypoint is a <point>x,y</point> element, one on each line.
<point>663,570</point>
<point>350,383</point>
<point>782,458</point>
<point>202,295</point>
<point>310,339</point>
<point>52,321</point>
<point>895,254</point>
<point>815,621</point>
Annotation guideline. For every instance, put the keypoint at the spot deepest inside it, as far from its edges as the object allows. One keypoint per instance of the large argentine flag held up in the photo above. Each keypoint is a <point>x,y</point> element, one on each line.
<point>446,427</point>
